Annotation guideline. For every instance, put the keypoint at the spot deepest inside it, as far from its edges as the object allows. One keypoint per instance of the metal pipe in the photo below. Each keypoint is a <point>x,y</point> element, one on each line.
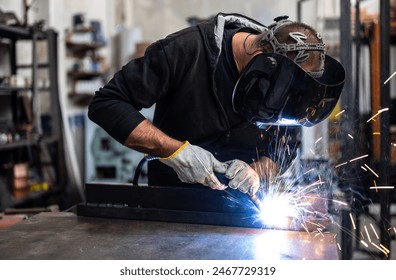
<point>356,110</point>
<point>35,97</point>
<point>357,65</point>
<point>347,121</point>
<point>385,128</point>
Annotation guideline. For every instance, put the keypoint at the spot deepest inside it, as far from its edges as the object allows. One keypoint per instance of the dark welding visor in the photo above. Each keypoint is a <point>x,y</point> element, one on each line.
<point>274,90</point>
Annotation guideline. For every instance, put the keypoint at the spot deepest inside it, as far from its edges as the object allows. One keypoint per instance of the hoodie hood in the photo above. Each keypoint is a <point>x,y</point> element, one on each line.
<point>221,20</point>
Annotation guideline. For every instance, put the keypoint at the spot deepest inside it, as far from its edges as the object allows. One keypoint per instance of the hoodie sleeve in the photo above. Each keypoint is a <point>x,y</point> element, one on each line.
<point>139,84</point>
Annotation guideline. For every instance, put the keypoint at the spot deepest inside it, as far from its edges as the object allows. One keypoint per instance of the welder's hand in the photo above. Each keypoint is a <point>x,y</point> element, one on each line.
<point>194,164</point>
<point>242,177</point>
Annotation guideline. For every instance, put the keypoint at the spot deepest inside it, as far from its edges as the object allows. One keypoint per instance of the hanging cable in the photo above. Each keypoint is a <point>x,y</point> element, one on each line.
<point>140,166</point>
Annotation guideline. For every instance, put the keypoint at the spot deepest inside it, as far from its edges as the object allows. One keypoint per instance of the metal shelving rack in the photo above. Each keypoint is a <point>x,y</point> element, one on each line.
<point>353,185</point>
<point>383,164</point>
<point>44,146</point>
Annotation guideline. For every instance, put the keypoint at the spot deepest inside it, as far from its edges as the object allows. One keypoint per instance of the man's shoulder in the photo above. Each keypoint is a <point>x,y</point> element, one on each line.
<point>190,40</point>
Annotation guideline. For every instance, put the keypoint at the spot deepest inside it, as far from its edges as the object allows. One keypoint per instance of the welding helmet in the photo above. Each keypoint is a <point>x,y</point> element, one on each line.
<point>275,90</point>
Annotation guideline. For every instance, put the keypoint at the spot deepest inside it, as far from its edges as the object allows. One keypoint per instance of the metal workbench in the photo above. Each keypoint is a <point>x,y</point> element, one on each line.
<point>64,235</point>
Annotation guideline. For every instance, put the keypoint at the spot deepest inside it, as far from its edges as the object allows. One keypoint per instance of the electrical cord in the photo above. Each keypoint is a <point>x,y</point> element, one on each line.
<point>140,166</point>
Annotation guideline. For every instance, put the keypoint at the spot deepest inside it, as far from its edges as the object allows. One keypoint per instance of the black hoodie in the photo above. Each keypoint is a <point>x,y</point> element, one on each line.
<point>177,74</point>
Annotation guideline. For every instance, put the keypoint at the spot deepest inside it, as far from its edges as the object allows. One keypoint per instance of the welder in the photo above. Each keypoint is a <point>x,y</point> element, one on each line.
<point>222,89</point>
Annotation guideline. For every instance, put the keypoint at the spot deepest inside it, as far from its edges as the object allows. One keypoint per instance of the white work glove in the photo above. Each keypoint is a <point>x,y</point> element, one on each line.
<point>242,177</point>
<point>194,164</point>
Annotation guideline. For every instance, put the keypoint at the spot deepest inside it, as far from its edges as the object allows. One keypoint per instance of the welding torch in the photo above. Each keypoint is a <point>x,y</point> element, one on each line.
<point>224,180</point>
<point>253,197</point>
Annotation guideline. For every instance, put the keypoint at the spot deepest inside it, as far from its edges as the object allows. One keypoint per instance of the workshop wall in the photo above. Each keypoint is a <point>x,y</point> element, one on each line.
<point>158,18</point>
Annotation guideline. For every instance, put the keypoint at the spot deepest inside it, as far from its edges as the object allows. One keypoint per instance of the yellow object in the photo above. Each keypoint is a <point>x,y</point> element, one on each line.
<point>36,187</point>
<point>333,116</point>
<point>185,143</point>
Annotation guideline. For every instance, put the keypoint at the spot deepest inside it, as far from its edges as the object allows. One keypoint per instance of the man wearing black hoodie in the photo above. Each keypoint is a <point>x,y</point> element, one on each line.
<point>222,89</point>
